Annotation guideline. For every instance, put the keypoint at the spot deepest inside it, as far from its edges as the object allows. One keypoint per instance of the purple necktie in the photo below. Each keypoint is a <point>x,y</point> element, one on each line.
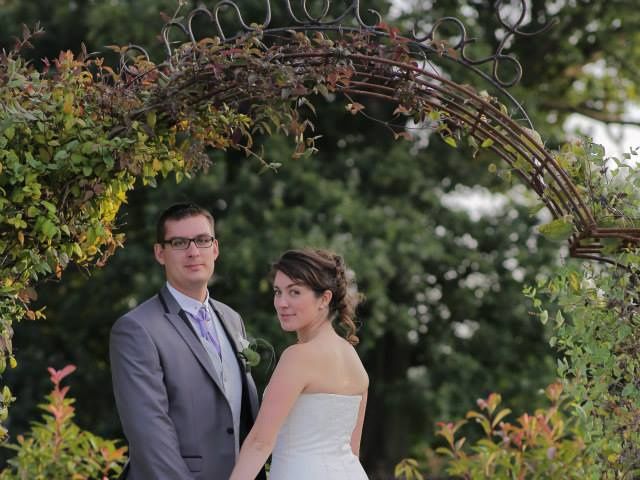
<point>202,317</point>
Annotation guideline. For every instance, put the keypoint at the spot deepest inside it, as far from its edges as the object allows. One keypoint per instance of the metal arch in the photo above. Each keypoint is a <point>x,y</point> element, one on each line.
<point>351,18</point>
<point>380,77</point>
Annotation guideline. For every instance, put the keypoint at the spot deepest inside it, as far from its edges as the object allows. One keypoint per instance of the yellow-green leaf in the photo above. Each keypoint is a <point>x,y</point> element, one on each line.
<point>451,142</point>
<point>559,229</point>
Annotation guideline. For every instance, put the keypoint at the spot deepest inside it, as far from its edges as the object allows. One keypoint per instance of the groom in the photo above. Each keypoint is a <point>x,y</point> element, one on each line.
<point>183,393</point>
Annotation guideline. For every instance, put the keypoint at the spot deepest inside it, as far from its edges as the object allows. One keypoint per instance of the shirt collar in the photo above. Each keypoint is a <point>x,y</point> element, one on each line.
<point>188,304</point>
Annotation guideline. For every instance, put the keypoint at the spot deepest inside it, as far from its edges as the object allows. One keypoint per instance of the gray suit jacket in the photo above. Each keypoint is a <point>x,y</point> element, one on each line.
<point>174,413</point>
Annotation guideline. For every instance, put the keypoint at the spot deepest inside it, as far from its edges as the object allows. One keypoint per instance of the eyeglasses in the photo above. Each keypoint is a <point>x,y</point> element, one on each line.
<point>182,243</point>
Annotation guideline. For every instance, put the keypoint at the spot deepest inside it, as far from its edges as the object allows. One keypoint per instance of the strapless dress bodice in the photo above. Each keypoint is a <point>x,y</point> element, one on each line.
<point>315,440</point>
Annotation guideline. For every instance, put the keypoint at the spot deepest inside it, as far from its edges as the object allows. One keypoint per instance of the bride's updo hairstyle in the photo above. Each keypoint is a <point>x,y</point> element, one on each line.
<point>322,270</point>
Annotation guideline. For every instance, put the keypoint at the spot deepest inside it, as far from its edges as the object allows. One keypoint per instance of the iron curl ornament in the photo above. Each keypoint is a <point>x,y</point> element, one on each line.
<point>356,53</point>
<point>350,16</point>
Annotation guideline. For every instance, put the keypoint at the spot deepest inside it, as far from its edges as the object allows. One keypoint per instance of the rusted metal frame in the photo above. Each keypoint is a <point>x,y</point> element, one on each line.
<point>588,249</point>
<point>554,170</point>
<point>549,202</point>
<point>610,230</point>
<point>353,8</point>
<point>599,258</point>
<point>537,151</point>
<point>445,98</point>
<point>464,106</point>
<point>538,163</point>
<point>501,138</point>
<point>228,90</point>
<point>427,51</point>
<point>557,204</point>
<point>541,162</point>
<point>575,241</point>
<point>500,118</point>
<point>387,93</point>
<point>415,46</point>
<point>472,118</point>
<point>633,235</point>
<point>351,12</point>
<point>561,201</point>
<point>177,92</point>
<point>488,132</point>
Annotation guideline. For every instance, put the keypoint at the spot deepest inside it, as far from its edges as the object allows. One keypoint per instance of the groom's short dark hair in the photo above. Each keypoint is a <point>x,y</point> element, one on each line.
<point>179,211</point>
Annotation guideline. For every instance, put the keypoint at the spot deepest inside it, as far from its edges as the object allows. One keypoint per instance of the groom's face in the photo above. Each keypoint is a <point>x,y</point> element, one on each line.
<point>188,270</point>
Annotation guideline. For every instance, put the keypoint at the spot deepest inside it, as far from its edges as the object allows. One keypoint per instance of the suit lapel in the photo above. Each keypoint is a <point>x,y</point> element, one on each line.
<point>181,323</point>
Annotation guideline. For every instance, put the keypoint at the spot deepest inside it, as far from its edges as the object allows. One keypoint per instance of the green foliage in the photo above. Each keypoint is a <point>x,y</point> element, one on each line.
<point>75,138</point>
<point>592,430</point>
<point>408,469</point>
<point>595,312</point>
<point>611,186</point>
<point>596,329</point>
<point>57,449</point>
<point>548,444</point>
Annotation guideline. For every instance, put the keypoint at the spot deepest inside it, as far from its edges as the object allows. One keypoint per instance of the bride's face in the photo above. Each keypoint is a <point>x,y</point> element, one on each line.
<point>297,305</point>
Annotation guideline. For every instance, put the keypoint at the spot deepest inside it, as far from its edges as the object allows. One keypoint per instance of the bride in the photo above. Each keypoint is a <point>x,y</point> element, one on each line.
<point>313,408</point>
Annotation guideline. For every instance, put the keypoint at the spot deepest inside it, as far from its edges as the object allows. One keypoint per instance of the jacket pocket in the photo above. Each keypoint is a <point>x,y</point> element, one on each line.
<point>194,464</point>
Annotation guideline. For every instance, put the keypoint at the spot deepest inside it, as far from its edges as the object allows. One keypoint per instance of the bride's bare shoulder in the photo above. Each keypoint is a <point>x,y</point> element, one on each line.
<point>304,354</point>
<point>297,352</point>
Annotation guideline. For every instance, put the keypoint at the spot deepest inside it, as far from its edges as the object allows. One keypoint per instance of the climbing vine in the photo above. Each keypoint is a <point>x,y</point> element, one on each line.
<point>75,138</point>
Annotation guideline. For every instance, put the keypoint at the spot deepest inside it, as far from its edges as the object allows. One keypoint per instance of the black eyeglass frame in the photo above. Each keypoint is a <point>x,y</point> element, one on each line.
<point>209,239</point>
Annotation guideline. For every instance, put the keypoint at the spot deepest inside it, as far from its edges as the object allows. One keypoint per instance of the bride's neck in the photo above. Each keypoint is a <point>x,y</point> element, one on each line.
<point>315,331</point>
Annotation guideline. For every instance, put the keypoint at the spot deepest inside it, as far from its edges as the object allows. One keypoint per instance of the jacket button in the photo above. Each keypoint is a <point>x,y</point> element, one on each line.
<point>230,431</point>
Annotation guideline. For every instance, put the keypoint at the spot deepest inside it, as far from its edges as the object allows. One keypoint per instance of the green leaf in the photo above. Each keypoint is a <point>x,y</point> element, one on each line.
<point>252,357</point>
<point>451,142</point>
<point>10,133</point>
<point>49,206</point>
<point>60,155</point>
<point>559,229</point>
<point>501,414</point>
<point>544,317</point>
<point>533,210</point>
<point>48,228</point>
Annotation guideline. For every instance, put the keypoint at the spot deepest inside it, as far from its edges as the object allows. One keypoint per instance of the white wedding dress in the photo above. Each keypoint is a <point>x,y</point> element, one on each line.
<point>315,440</point>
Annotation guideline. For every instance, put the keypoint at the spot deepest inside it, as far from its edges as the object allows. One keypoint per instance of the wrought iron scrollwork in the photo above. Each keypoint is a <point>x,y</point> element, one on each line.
<point>498,57</point>
<point>350,17</point>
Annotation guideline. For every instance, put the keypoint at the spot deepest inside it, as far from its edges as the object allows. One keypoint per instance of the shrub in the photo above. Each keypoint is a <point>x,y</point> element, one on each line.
<point>57,449</point>
<point>548,444</point>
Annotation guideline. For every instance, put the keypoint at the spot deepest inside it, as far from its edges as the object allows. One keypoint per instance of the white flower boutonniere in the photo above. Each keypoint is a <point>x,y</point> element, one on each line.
<point>251,357</point>
<point>249,350</point>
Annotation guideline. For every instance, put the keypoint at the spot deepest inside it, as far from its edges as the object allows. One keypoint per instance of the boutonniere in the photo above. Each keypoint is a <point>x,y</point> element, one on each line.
<point>249,350</point>
<point>251,356</point>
